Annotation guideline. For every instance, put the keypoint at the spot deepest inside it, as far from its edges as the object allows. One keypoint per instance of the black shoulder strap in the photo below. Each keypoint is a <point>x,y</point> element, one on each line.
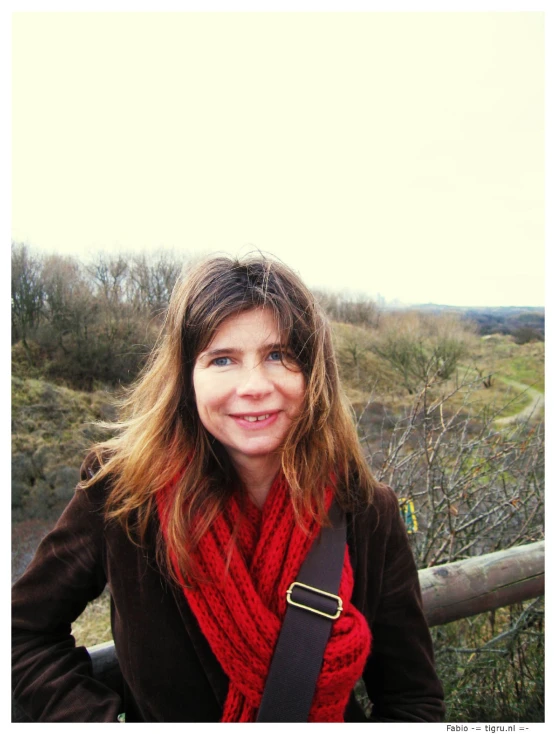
<point>313,605</point>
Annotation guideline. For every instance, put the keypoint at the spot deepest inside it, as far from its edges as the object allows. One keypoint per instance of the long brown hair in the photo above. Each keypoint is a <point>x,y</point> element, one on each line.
<point>160,430</point>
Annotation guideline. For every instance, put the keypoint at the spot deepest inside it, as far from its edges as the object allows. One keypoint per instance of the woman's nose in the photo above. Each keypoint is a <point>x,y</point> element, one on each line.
<point>255,382</point>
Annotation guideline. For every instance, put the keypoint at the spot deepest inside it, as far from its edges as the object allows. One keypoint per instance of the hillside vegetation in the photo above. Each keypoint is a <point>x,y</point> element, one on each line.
<point>52,428</point>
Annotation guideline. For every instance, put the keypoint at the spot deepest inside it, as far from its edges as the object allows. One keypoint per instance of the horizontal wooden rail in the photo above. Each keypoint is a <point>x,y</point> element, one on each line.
<point>452,591</point>
<point>462,589</point>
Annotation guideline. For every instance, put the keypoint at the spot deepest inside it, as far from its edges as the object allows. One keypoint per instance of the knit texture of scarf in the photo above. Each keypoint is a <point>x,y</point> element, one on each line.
<point>240,608</point>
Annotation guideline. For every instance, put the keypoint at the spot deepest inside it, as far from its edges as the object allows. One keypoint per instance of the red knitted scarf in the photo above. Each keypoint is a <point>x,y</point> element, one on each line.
<point>240,610</point>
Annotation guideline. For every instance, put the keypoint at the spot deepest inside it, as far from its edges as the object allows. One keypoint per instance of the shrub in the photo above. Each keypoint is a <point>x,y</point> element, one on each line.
<point>526,334</point>
<point>421,347</point>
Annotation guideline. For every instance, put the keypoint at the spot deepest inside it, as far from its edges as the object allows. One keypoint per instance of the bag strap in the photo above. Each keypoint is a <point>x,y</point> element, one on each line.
<point>313,605</point>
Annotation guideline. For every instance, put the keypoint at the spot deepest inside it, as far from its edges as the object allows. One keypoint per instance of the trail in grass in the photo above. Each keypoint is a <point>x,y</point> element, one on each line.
<point>530,412</point>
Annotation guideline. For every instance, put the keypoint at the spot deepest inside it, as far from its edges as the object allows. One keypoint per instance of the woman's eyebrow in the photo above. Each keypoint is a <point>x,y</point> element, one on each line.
<point>274,346</point>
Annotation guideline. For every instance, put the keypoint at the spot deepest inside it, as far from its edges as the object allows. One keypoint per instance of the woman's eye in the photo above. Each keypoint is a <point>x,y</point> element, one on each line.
<point>221,361</point>
<point>275,356</point>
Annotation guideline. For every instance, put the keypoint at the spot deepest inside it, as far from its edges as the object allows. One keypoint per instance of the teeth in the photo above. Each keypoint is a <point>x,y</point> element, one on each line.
<point>253,418</point>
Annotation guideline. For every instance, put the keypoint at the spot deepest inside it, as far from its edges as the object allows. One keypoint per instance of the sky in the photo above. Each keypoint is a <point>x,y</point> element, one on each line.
<point>392,154</point>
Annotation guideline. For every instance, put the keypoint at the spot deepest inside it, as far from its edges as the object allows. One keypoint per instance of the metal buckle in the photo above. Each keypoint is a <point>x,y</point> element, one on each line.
<point>312,609</point>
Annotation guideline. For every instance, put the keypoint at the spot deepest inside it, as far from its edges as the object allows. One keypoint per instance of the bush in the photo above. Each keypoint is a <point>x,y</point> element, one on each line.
<point>422,348</point>
<point>526,334</point>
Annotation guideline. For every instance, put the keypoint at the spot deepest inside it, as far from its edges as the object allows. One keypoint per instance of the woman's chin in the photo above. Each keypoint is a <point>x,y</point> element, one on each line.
<point>255,451</point>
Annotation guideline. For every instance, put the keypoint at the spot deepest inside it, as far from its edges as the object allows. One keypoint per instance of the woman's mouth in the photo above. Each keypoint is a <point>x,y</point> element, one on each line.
<point>255,420</point>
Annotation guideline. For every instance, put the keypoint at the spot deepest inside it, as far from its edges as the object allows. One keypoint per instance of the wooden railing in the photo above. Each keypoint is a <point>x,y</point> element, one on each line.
<point>462,589</point>
<point>452,591</point>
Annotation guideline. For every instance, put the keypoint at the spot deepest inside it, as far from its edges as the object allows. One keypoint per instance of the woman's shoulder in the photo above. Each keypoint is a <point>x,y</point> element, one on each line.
<point>377,523</point>
<point>92,463</point>
<point>95,492</point>
<point>384,498</point>
<point>382,506</point>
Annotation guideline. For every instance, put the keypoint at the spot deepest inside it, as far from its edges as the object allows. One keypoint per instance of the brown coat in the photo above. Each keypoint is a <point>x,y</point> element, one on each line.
<point>169,670</point>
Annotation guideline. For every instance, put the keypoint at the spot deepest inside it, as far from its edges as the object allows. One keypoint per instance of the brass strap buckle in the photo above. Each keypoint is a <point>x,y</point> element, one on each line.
<point>312,609</point>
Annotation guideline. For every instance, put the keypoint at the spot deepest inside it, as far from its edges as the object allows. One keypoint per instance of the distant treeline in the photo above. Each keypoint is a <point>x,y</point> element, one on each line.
<point>523,323</point>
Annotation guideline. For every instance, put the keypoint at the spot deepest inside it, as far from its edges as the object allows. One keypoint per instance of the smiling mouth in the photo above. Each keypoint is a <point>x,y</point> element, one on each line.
<point>254,418</point>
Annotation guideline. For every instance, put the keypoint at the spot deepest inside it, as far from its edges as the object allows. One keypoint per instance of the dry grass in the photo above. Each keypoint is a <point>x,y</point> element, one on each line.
<point>45,413</point>
<point>93,626</point>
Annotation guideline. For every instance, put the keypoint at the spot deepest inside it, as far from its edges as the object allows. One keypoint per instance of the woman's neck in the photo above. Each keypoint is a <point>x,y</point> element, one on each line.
<point>257,475</point>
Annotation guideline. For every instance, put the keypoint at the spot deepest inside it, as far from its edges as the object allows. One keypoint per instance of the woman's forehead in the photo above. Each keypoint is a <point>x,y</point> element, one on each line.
<point>254,326</point>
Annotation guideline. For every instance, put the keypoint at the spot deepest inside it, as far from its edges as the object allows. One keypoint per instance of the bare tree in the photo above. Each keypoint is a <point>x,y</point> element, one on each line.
<point>476,487</point>
<point>151,281</point>
<point>70,309</point>
<point>27,292</point>
<point>109,274</point>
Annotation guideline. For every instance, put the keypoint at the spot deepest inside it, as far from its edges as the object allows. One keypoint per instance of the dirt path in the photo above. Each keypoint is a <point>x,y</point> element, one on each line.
<point>531,411</point>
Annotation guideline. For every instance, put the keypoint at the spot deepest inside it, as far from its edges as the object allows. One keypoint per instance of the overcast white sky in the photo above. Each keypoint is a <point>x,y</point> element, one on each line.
<point>391,153</point>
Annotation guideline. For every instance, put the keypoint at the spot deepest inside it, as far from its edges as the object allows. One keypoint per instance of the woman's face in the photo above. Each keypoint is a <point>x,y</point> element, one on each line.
<point>246,396</point>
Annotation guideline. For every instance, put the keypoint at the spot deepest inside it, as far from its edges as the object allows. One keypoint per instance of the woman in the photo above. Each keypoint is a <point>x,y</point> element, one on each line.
<point>199,515</point>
